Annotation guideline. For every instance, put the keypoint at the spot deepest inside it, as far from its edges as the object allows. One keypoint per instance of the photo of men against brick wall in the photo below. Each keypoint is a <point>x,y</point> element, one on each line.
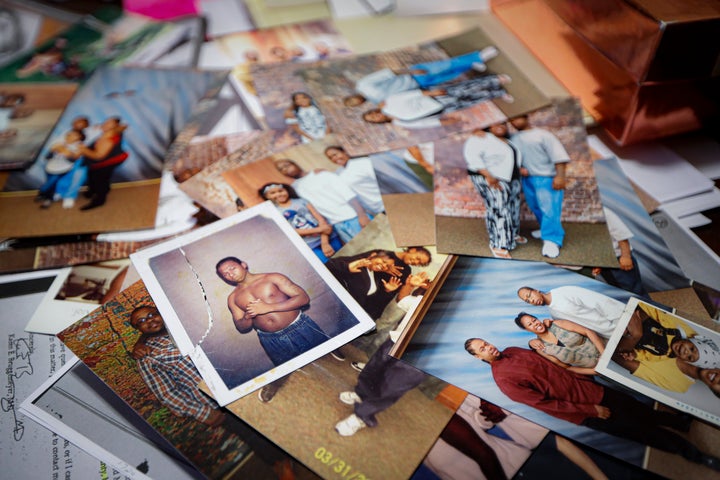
<point>499,193</point>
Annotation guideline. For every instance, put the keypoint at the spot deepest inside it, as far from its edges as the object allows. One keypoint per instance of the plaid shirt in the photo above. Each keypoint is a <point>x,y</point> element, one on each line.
<point>174,380</point>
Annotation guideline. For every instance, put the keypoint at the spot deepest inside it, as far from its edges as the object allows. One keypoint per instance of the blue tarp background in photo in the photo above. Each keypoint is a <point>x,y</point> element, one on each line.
<point>479,299</point>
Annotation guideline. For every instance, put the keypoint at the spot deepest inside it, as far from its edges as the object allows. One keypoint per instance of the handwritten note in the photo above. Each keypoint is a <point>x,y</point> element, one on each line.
<point>28,450</point>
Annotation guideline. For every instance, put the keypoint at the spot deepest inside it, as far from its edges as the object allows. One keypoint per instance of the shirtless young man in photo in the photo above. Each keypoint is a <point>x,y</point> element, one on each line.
<point>272,305</point>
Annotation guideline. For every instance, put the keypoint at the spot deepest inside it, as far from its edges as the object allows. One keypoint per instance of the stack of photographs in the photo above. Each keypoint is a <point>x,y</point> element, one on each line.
<point>402,264</point>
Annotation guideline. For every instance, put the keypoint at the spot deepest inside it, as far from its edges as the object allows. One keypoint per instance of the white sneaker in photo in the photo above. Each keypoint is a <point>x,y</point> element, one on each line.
<point>68,202</point>
<point>350,398</point>
<point>350,426</point>
<point>550,249</point>
<point>358,366</point>
<point>479,66</point>
<point>488,53</point>
<point>535,234</point>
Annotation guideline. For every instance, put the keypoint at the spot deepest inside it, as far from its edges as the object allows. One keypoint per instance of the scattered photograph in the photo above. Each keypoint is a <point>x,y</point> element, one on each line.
<point>324,194</point>
<point>28,113</point>
<point>127,346</point>
<point>100,170</point>
<point>483,441</point>
<point>248,300</point>
<point>289,45</point>
<point>645,263</point>
<point>78,406</point>
<point>666,357</point>
<point>36,86</point>
<point>75,292</point>
<point>522,188</point>
<point>209,188</point>
<point>396,99</point>
<point>528,336</point>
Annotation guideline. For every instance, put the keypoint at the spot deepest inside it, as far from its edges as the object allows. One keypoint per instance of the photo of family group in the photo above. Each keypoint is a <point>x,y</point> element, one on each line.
<point>666,357</point>
<point>522,188</point>
<point>395,99</point>
<point>248,300</point>
<point>100,167</point>
<point>528,337</point>
<point>327,195</point>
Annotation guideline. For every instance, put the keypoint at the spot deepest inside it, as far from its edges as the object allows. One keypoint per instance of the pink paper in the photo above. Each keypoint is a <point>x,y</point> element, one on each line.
<point>161,9</point>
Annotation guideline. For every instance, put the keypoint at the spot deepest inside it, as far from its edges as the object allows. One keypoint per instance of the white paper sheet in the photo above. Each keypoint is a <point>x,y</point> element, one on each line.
<point>28,450</point>
<point>659,171</point>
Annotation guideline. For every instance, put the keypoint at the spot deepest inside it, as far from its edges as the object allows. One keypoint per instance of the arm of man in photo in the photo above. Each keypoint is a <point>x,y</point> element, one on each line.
<point>560,179</point>
<point>296,297</point>
<point>584,331</point>
<point>360,211</point>
<point>243,323</point>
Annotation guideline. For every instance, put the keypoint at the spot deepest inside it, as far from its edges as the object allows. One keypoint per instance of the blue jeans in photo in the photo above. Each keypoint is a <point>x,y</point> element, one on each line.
<point>442,71</point>
<point>297,338</point>
<point>546,204</point>
<point>69,185</point>
<point>347,229</point>
<point>335,243</point>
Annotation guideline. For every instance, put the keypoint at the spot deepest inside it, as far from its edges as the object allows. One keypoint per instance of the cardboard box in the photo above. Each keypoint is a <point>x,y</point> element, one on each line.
<point>643,68</point>
<point>652,40</point>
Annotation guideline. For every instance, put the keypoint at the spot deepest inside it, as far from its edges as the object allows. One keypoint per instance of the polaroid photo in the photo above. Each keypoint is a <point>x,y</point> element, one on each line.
<point>666,357</point>
<point>78,406</point>
<point>75,292</point>
<point>248,299</point>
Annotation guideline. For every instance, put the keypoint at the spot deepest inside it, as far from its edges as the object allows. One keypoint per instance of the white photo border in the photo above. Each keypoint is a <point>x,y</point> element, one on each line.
<point>221,392</point>
<point>679,401</point>
<point>56,425</point>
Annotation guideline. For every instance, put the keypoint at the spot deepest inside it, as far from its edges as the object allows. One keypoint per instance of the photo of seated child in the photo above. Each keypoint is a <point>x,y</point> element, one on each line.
<point>305,219</point>
<point>65,173</point>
